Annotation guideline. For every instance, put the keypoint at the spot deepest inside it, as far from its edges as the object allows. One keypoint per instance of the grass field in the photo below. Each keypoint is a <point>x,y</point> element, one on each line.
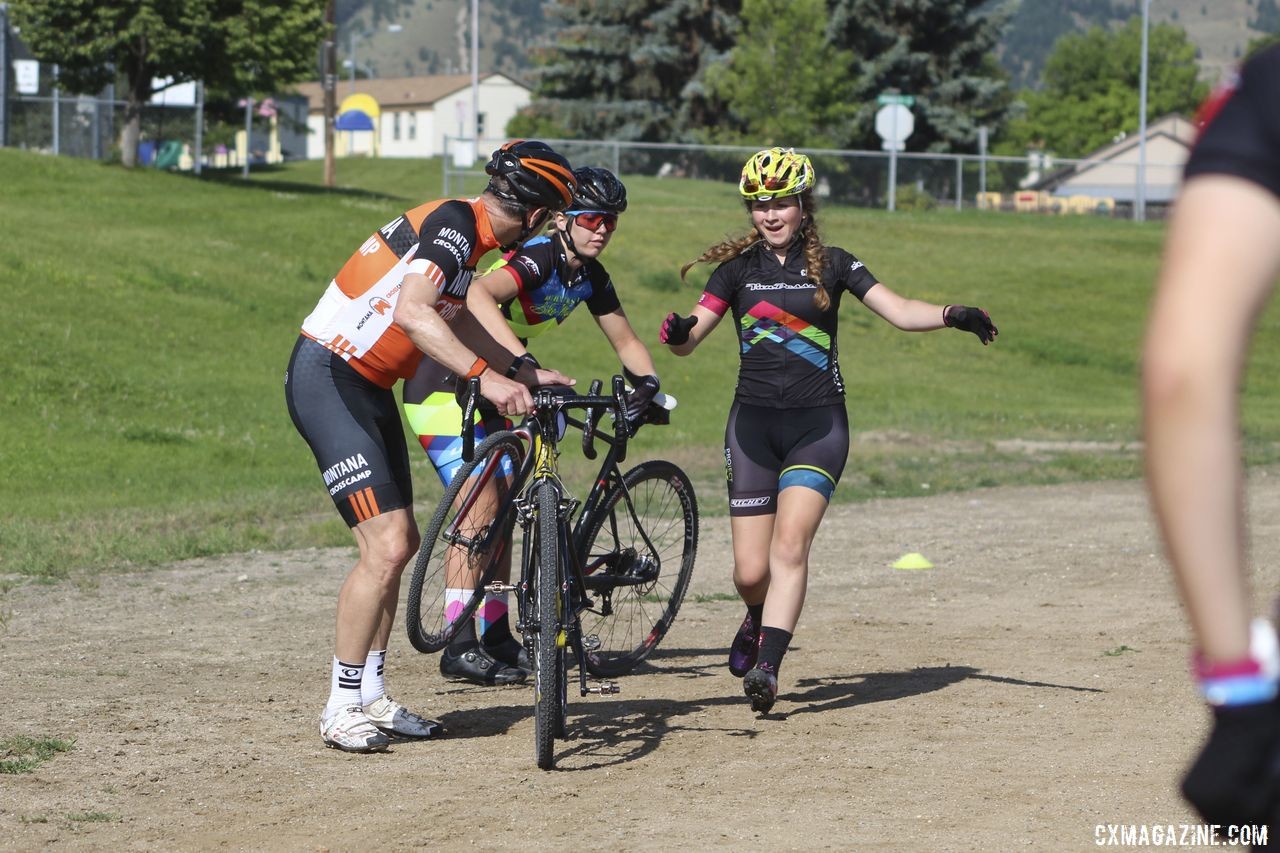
<point>143,415</point>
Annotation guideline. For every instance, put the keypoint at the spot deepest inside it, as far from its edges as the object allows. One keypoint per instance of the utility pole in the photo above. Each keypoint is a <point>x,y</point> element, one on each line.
<point>475,73</point>
<point>1140,203</point>
<point>4,74</point>
<point>329,80</point>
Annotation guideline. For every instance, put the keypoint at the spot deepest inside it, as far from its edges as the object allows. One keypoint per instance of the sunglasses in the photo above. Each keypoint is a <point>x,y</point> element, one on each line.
<point>593,219</point>
<point>751,187</point>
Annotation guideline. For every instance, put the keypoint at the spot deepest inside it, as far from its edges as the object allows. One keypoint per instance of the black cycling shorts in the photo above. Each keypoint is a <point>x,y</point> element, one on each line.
<point>353,427</point>
<point>767,450</point>
<point>1243,138</point>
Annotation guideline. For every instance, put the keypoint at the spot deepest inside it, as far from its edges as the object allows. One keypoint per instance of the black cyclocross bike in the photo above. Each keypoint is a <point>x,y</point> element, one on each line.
<point>601,579</point>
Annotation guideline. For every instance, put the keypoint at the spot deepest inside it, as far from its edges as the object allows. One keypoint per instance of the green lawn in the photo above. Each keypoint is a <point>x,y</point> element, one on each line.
<point>143,415</point>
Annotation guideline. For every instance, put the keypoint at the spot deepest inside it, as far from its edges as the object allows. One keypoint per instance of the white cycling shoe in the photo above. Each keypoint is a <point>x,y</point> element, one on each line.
<point>394,719</point>
<point>350,730</point>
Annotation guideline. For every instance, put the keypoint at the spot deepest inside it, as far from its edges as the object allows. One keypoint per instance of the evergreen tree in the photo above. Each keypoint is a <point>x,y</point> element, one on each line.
<point>236,46</point>
<point>777,82</point>
<point>939,51</point>
<point>629,69</point>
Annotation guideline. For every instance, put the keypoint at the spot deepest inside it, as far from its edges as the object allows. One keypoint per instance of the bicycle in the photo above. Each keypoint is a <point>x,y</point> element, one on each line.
<point>623,565</point>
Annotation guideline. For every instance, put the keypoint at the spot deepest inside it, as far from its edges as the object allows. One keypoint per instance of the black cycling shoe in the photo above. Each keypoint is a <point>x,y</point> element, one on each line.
<point>761,687</point>
<point>479,667</point>
<point>511,652</point>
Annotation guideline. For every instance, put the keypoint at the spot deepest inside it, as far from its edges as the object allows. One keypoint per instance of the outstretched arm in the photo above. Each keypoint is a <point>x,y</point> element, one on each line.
<point>1221,260</point>
<point>913,315</point>
<point>910,315</point>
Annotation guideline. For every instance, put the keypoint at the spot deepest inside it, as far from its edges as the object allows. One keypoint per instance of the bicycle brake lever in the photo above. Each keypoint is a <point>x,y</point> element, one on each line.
<point>621,429</point>
<point>589,423</point>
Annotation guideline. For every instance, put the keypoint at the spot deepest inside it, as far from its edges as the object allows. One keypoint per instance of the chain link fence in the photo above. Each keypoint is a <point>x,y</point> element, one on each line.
<point>861,178</point>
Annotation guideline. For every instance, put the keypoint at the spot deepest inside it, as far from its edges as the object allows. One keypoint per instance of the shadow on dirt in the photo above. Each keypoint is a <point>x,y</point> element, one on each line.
<point>610,732</point>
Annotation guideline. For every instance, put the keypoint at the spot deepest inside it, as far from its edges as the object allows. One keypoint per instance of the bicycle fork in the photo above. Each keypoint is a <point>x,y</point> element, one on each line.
<point>573,599</point>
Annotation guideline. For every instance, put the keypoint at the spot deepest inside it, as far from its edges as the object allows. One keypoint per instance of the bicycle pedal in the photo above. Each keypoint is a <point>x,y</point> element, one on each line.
<point>605,688</point>
<point>591,643</point>
<point>498,587</point>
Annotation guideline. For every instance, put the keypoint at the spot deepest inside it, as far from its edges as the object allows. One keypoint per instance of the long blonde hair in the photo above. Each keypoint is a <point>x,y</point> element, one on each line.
<point>815,254</point>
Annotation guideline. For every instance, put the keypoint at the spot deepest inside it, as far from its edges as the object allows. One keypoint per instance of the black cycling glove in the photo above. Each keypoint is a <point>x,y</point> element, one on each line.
<point>969,319</point>
<point>1236,778</point>
<point>675,329</point>
<point>643,390</point>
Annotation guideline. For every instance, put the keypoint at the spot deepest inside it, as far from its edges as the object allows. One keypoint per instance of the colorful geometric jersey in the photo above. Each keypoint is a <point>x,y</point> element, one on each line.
<point>442,240</point>
<point>1242,133</point>
<point>788,346</point>
<point>547,290</point>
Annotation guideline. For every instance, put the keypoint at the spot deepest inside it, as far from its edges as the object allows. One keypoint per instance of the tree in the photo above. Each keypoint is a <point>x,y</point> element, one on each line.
<point>1091,86</point>
<point>939,51</point>
<point>630,69</point>
<point>777,82</point>
<point>236,46</point>
<point>1034,27</point>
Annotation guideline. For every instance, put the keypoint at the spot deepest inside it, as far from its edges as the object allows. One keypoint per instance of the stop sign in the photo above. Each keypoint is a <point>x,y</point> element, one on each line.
<point>894,123</point>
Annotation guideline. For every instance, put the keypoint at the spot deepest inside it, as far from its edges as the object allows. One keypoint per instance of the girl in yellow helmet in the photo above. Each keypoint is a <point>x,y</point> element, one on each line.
<point>787,435</point>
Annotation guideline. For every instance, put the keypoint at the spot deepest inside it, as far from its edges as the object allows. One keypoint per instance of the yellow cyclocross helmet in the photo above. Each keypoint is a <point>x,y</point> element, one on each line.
<point>775,173</point>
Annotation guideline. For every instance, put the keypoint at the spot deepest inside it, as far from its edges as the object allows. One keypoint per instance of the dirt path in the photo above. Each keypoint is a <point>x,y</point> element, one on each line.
<point>1030,687</point>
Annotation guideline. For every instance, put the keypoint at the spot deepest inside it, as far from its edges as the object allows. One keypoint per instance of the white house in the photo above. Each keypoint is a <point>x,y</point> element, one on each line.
<point>415,114</point>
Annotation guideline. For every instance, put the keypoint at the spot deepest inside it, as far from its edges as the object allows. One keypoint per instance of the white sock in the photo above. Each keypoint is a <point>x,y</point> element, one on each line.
<point>344,687</point>
<point>372,685</point>
<point>455,600</point>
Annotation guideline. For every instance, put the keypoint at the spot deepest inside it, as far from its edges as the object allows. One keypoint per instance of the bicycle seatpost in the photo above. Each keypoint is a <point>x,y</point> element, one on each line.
<point>468,419</point>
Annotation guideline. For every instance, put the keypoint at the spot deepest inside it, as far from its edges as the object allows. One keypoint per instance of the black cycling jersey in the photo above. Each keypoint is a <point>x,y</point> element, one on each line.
<point>548,290</point>
<point>787,345</point>
<point>1242,137</point>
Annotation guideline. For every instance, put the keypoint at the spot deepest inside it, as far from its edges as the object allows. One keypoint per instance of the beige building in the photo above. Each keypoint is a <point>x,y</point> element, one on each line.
<point>415,114</point>
<point>1111,172</point>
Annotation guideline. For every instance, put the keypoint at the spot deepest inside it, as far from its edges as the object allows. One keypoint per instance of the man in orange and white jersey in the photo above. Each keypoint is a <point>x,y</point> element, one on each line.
<point>402,294</point>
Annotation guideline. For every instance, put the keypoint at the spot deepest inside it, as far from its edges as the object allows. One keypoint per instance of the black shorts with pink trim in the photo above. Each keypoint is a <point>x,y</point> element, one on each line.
<point>353,428</point>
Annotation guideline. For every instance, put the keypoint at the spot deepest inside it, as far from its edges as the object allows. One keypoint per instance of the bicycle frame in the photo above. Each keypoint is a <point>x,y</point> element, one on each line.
<point>538,472</point>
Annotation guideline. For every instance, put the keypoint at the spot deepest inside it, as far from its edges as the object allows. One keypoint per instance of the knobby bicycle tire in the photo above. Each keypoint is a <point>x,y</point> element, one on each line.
<point>548,654</point>
<point>453,549</point>
<point>640,583</point>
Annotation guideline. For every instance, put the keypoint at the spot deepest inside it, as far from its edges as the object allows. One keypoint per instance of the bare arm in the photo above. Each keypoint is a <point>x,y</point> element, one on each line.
<point>416,315</point>
<point>910,315</point>
<point>631,351</point>
<point>1221,260</point>
<point>484,299</point>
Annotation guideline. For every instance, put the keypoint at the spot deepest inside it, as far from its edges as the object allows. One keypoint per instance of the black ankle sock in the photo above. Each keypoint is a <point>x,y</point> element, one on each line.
<point>756,612</point>
<point>773,645</point>
<point>465,640</point>
<point>498,633</point>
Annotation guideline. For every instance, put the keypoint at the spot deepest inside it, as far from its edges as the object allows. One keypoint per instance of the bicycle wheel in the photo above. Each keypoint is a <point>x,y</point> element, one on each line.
<point>548,650</point>
<point>637,565</point>
<point>462,547</point>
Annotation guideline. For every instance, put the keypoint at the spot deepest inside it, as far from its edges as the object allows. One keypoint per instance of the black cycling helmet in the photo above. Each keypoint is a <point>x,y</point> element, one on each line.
<point>598,189</point>
<point>536,176</point>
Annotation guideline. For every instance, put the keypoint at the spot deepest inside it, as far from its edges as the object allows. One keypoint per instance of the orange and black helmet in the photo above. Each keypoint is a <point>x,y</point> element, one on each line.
<point>536,175</point>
